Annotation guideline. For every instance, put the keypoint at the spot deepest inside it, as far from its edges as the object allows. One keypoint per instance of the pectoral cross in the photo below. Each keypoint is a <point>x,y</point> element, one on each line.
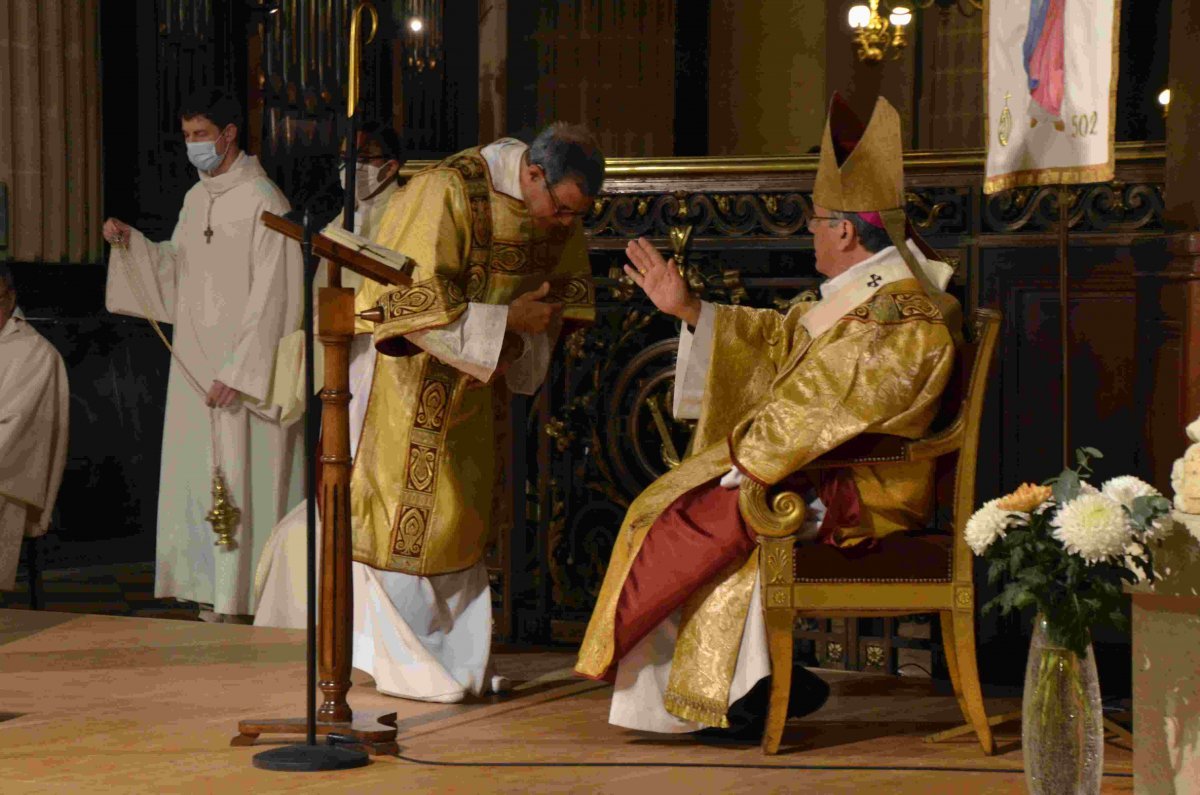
<point>208,233</point>
<point>875,280</point>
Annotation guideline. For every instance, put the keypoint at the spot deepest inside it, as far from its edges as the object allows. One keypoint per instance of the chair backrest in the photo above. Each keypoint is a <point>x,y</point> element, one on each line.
<point>964,396</point>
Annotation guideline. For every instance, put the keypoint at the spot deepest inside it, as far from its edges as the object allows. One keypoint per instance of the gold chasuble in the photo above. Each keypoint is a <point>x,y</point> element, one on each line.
<point>774,400</point>
<point>428,484</point>
<point>873,356</point>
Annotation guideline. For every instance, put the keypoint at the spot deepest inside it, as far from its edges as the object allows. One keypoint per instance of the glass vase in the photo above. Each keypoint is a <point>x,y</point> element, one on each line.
<point>1062,724</point>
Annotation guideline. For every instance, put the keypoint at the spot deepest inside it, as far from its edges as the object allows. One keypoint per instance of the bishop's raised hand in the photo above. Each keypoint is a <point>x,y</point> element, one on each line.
<point>661,281</point>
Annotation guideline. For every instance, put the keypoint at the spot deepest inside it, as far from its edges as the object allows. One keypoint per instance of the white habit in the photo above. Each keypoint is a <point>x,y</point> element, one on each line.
<point>231,298</point>
<point>425,638</point>
<point>34,402</point>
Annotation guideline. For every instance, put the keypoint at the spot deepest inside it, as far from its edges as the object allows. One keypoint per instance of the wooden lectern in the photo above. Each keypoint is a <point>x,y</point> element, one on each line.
<point>335,329</point>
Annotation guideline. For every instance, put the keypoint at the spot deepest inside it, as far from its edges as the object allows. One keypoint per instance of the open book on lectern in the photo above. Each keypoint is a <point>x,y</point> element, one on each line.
<point>362,245</point>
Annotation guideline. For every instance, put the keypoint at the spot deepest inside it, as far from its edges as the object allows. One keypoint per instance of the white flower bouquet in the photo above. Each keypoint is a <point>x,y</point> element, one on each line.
<point>1066,548</point>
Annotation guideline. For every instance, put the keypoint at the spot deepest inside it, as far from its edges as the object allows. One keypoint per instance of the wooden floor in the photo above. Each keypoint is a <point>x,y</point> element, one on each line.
<point>101,704</point>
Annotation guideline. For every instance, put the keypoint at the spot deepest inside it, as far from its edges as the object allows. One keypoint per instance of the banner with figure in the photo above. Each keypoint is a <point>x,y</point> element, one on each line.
<point>1051,91</point>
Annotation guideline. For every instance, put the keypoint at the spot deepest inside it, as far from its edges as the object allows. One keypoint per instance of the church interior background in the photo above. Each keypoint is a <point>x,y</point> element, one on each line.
<point>710,111</point>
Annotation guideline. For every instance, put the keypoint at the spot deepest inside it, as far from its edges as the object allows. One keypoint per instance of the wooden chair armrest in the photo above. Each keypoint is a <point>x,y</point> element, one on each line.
<point>780,519</point>
<point>940,444</point>
<point>868,448</point>
<point>878,448</point>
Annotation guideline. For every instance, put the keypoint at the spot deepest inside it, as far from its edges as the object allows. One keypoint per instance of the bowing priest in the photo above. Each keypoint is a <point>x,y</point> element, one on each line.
<point>280,580</point>
<point>678,623</point>
<point>232,289</point>
<point>34,401</point>
<point>500,270</point>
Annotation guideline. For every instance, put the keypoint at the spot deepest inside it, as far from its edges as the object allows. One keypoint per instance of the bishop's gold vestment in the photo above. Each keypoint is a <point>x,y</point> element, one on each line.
<point>775,399</point>
<point>428,479</point>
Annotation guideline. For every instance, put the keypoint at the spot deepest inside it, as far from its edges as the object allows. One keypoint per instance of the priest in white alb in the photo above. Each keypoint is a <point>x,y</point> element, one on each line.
<point>232,289</point>
<point>33,430</point>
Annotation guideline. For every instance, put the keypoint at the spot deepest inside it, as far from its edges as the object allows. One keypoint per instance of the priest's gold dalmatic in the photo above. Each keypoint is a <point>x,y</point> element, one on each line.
<point>428,479</point>
<point>873,356</point>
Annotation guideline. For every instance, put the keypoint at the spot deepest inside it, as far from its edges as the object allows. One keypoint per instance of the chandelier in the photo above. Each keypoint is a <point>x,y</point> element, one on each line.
<point>878,38</point>
<point>422,20</point>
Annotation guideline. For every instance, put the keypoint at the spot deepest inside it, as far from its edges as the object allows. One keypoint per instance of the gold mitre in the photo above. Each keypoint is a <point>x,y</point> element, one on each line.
<point>861,169</point>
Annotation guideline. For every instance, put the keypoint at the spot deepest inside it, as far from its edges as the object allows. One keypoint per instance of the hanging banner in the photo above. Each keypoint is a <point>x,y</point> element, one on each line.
<point>1051,75</point>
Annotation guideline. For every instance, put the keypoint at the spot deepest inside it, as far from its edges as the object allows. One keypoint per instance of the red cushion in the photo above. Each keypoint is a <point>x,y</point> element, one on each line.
<point>899,557</point>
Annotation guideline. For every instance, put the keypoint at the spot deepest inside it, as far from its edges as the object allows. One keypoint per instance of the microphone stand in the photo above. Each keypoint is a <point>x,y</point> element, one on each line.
<point>336,717</point>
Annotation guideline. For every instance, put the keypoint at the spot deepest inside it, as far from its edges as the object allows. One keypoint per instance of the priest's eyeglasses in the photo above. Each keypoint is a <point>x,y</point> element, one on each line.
<point>812,218</point>
<point>559,209</point>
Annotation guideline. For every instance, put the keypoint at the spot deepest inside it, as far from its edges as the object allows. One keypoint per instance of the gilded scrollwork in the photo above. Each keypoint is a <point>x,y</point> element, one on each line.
<point>710,215</point>
<point>934,210</point>
<point>1106,207</point>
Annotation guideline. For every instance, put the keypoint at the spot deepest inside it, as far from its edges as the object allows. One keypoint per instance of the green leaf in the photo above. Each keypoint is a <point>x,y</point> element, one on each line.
<point>1092,451</point>
<point>1066,488</point>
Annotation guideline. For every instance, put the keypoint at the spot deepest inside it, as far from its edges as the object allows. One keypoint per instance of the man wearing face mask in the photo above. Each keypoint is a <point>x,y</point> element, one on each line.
<point>232,289</point>
<point>376,179</point>
<point>33,429</point>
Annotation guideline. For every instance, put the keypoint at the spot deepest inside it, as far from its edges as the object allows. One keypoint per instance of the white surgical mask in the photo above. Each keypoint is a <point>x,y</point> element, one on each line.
<point>203,155</point>
<point>366,180</point>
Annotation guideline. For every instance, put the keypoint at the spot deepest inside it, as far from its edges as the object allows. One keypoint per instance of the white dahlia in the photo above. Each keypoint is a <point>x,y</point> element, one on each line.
<point>985,526</point>
<point>1093,526</point>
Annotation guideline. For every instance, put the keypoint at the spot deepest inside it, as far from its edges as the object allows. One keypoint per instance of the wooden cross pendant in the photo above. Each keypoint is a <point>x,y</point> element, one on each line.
<point>208,233</point>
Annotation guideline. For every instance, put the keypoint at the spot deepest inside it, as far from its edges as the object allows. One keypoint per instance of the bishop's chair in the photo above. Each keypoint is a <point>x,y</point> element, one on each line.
<point>905,573</point>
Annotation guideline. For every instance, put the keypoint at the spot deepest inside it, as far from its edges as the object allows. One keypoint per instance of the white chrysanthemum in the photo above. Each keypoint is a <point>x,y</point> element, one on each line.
<point>1094,527</point>
<point>985,526</point>
<point>1087,488</point>
<point>1126,488</point>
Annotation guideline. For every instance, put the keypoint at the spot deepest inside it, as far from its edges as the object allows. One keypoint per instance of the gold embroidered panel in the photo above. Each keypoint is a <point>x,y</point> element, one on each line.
<point>426,445</point>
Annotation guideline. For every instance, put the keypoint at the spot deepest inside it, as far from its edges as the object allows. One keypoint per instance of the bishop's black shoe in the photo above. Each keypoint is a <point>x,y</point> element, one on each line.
<point>748,715</point>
